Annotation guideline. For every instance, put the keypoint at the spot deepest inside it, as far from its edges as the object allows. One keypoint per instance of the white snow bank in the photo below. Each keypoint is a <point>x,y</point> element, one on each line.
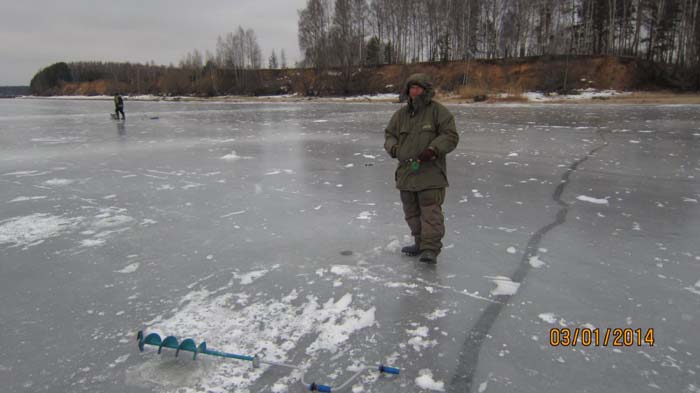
<point>585,94</point>
<point>374,97</point>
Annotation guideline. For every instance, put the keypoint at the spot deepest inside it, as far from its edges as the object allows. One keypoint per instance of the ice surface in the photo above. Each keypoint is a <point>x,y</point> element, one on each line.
<point>275,229</point>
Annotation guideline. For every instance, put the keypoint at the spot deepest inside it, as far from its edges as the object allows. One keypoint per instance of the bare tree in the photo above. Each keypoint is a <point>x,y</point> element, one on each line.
<point>272,61</point>
<point>283,59</point>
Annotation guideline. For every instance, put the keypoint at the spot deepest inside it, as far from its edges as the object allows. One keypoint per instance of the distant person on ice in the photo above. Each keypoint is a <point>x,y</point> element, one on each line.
<point>119,106</point>
<point>419,136</point>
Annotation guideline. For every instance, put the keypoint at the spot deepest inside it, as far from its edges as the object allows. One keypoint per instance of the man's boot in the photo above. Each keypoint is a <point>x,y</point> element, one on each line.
<point>428,256</point>
<point>414,249</point>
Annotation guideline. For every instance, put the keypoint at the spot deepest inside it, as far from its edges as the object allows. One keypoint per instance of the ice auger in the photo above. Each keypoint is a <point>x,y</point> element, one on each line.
<point>189,345</point>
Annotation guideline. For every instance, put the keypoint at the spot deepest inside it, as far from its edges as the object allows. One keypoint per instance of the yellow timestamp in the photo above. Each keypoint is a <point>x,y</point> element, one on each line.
<point>615,337</point>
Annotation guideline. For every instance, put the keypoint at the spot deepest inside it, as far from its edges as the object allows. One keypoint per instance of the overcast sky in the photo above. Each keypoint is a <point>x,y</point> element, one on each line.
<point>37,33</point>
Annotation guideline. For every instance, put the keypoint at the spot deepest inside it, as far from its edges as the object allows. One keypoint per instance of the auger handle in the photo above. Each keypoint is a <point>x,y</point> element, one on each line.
<point>319,388</point>
<point>389,370</point>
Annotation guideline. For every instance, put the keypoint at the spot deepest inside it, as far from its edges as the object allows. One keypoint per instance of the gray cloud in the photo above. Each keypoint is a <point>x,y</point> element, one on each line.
<point>36,34</point>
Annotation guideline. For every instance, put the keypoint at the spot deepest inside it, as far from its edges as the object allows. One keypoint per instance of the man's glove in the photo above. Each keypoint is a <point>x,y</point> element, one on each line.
<point>427,155</point>
<point>392,151</point>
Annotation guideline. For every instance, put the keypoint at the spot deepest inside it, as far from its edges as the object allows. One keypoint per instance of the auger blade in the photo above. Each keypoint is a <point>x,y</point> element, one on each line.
<point>187,345</point>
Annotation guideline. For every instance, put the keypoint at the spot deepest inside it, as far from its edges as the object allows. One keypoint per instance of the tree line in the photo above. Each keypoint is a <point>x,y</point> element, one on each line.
<point>346,33</point>
<point>337,36</point>
<point>232,68</point>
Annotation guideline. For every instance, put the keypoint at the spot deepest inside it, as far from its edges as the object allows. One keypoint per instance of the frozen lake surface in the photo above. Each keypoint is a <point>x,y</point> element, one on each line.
<point>275,229</point>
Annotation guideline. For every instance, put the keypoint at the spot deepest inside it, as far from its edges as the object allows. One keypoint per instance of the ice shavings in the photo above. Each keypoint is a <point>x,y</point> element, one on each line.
<point>34,229</point>
<point>419,340</point>
<point>548,317</point>
<point>365,215</point>
<point>271,328</point>
<point>504,286</point>
<point>425,381</point>
<point>393,246</point>
<point>597,201</point>
<point>341,270</point>
<point>337,322</point>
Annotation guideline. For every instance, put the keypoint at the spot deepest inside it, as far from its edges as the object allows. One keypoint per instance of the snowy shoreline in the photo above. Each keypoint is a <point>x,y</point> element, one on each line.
<point>586,96</point>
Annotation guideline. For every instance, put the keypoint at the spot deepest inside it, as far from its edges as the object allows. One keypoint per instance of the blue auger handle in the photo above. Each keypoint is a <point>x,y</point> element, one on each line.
<point>314,387</point>
<point>390,370</point>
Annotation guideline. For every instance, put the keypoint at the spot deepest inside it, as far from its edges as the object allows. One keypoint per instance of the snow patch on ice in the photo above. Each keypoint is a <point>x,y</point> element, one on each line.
<point>597,201</point>
<point>111,217</point>
<point>419,343</point>
<point>32,230</point>
<point>439,313</point>
<point>249,277</point>
<point>92,242</point>
<point>694,289</point>
<point>241,323</point>
<point>504,286</point>
<point>425,381</point>
<point>338,322</point>
<point>341,270</point>
<point>23,198</point>
<point>271,328</point>
<point>548,317</point>
<point>536,262</point>
<point>59,182</point>
<point>365,215</point>
<point>234,156</point>
<point>129,268</point>
<point>278,171</point>
<point>393,246</point>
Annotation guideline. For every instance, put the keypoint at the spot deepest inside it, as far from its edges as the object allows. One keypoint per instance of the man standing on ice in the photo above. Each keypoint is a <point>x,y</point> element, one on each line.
<point>419,136</point>
<point>119,106</point>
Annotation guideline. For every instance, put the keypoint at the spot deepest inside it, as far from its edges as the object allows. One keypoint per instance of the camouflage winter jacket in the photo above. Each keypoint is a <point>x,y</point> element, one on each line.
<point>420,124</point>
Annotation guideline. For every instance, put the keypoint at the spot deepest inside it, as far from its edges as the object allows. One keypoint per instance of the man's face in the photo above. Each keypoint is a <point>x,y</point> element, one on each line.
<point>415,90</point>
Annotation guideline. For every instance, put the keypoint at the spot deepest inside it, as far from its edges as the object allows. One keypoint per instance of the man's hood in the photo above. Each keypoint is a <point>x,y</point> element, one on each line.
<point>422,80</point>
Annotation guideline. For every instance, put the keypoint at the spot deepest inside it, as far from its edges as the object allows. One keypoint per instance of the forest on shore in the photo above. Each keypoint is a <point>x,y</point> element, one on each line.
<point>366,47</point>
